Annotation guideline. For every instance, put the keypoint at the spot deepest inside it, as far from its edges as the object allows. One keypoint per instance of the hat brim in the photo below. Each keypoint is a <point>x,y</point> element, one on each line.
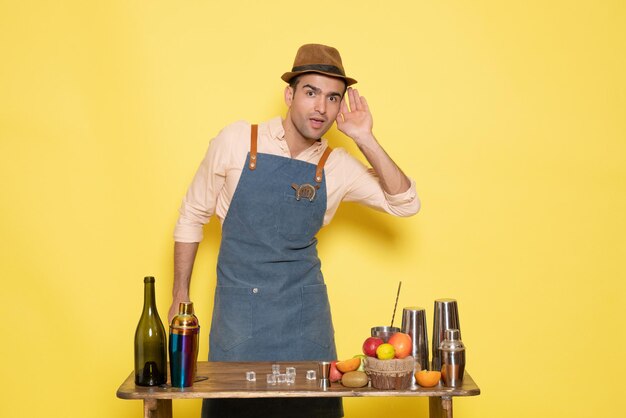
<point>288,76</point>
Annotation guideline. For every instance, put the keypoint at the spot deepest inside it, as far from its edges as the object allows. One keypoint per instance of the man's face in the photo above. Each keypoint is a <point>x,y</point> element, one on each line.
<point>314,104</point>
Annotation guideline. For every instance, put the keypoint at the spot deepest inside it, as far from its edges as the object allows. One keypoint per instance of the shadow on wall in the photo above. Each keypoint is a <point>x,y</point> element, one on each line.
<point>360,221</point>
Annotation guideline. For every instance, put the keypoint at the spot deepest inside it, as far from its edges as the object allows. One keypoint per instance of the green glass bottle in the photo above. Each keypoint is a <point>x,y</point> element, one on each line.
<point>150,343</point>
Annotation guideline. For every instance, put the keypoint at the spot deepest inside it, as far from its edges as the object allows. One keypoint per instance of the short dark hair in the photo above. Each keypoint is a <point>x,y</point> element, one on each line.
<point>293,83</point>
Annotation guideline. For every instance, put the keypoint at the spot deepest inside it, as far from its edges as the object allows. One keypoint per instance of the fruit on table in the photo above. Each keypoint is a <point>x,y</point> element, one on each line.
<point>402,343</point>
<point>335,375</point>
<point>354,379</point>
<point>370,345</point>
<point>427,378</point>
<point>385,351</point>
<point>362,366</point>
<point>348,365</point>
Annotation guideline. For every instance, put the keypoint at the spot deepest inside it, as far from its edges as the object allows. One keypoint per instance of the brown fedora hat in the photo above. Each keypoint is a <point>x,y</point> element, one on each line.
<point>316,58</point>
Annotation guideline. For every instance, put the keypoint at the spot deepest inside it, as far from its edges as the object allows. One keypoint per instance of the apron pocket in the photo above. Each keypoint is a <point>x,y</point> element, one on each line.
<point>316,324</point>
<point>301,219</point>
<point>232,316</point>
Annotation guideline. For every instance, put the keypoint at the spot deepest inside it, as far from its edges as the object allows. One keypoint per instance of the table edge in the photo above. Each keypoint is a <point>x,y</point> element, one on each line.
<point>173,393</point>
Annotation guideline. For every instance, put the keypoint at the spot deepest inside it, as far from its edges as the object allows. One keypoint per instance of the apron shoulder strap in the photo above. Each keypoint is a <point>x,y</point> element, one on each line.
<point>319,170</point>
<point>253,152</point>
<point>320,165</point>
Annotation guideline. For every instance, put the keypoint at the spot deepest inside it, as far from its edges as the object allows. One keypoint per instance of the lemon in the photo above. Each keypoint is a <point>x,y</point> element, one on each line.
<point>385,351</point>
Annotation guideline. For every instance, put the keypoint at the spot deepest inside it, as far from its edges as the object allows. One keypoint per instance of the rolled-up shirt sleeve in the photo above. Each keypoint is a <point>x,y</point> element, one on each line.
<point>404,204</point>
<point>200,201</point>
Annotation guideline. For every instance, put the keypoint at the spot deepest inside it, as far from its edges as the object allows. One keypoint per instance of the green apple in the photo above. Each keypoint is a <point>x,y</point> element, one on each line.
<point>362,366</point>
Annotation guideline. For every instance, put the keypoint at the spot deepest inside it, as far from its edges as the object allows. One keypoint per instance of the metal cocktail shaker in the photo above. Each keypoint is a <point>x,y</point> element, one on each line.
<point>184,336</point>
<point>453,359</point>
<point>414,324</point>
<point>446,316</point>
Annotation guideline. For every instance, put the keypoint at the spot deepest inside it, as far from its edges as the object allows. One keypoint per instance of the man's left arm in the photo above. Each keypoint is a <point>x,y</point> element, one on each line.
<point>356,122</point>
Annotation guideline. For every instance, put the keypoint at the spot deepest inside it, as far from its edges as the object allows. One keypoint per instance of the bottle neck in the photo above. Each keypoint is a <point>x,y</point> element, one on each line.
<point>149,302</point>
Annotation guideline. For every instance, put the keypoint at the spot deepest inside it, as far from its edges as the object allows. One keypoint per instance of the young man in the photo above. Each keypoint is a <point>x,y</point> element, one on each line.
<point>273,187</point>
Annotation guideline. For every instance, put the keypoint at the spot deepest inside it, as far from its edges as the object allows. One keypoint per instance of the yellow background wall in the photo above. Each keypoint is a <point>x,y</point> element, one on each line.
<point>509,115</point>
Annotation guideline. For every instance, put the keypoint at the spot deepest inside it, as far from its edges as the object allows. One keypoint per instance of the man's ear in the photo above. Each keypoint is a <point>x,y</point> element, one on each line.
<point>288,95</point>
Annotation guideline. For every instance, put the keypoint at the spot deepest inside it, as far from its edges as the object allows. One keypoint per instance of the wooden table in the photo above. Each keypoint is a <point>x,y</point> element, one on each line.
<point>228,380</point>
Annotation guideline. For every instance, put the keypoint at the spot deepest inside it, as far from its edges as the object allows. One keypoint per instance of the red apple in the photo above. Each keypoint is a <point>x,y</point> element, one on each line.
<point>402,343</point>
<point>335,374</point>
<point>370,345</point>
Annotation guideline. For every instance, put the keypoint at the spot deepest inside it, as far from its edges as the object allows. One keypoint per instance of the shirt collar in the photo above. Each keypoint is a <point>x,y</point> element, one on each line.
<point>277,131</point>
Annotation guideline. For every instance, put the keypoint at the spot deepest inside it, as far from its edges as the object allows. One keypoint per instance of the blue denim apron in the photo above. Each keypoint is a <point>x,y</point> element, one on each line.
<point>271,302</point>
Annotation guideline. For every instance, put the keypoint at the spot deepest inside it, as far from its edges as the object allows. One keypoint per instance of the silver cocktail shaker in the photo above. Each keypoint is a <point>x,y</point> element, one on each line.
<point>446,316</point>
<point>453,359</point>
<point>414,324</point>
